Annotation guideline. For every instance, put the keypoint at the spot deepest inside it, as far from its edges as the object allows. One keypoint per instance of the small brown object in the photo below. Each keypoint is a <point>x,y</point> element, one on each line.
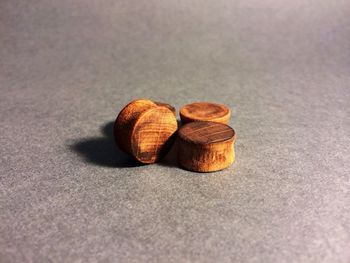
<point>145,129</point>
<point>206,146</point>
<point>205,111</point>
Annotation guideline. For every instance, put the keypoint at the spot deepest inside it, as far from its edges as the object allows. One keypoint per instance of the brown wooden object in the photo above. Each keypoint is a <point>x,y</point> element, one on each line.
<point>205,111</point>
<point>145,130</point>
<point>206,146</point>
<point>167,106</point>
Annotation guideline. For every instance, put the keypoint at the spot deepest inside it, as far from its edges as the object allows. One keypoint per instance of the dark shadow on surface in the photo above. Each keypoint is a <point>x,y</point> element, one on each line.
<point>170,158</point>
<point>103,151</point>
<point>179,124</point>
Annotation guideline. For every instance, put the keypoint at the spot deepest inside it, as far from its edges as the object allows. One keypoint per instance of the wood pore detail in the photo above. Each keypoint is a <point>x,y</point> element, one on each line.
<point>205,111</point>
<point>145,130</point>
<point>206,146</point>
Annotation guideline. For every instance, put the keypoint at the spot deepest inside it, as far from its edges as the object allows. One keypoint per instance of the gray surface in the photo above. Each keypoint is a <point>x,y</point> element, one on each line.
<point>67,68</point>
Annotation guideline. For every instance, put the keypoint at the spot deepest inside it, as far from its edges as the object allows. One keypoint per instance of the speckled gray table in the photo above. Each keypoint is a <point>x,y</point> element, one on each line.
<point>67,68</point>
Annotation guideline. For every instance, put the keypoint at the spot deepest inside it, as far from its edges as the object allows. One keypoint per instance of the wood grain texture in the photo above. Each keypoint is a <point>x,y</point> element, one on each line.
<point>205,111</point>
<point>145,130</point>
<point>166,105</point>
<point>206,146</point>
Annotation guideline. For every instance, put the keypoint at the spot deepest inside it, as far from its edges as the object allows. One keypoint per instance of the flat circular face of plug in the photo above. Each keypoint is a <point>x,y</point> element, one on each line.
<point>205,111</point>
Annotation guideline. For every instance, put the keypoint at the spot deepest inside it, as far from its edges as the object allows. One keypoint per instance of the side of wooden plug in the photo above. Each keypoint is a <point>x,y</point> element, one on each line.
<point>206,146</point>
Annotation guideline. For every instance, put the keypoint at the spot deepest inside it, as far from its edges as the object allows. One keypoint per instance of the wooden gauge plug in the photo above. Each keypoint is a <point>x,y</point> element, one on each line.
<point>206,146</point>
<point>205,111</point>
<point>145,129</point>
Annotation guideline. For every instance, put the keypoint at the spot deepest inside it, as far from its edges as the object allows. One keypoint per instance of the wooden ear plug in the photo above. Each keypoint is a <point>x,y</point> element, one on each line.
<point>205,111</point>
<point>206,146</point>
<point>145,129</point>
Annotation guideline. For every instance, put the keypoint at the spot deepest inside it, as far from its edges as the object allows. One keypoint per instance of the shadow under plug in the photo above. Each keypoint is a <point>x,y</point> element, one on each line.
<point>103,151</point>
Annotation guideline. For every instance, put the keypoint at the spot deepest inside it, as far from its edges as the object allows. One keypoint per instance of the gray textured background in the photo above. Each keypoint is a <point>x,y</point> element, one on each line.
<point>68,67</point>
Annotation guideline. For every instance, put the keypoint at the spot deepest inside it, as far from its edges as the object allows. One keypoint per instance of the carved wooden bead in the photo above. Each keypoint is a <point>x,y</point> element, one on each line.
<point>145,129</point>
<point>206,146</point>
<point>205,111</point>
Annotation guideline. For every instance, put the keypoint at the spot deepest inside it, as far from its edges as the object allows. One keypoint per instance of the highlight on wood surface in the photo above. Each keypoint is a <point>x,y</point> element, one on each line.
<point>206,146</point>
<point>167,106</point>
<point>145,129</point>
<point>205,111</point>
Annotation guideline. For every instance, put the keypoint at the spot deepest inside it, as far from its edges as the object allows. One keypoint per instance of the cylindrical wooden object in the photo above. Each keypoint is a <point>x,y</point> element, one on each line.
<point>205,111</point>
<point>145,129</point>
<point>206,146</point>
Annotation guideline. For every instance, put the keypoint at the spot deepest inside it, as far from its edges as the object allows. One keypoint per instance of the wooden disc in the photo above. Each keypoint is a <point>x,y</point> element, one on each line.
<point>151,134</point>
<point>126,118</point>
<point>145,130</point>
<point>205,111</point>
<point>206,146</point>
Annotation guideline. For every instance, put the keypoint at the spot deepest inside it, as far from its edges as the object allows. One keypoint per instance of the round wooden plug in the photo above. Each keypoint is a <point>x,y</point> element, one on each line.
<point>206,146</point>
<point>145,129</point>
<point>205,111</point>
